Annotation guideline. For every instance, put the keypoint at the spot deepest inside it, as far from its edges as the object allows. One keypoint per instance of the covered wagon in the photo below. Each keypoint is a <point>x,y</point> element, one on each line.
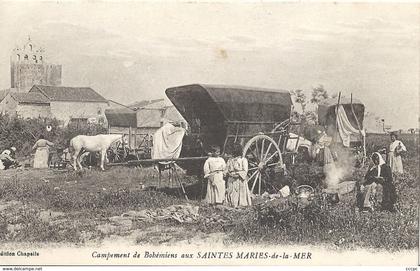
<point>223,115</point>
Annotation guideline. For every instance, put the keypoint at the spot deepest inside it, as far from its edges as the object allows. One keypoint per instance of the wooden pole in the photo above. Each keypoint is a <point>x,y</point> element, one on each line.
<point>359,128</point>
<point>336,116</point>
<point>129,136</point>
<point>135,138</point>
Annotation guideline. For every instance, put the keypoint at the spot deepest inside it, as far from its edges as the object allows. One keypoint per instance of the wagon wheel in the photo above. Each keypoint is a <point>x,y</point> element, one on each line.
<point>117,153</point>
<point>263,154</point>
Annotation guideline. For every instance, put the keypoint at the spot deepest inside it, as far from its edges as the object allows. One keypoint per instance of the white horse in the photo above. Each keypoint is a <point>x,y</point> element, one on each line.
<point>98,143</point>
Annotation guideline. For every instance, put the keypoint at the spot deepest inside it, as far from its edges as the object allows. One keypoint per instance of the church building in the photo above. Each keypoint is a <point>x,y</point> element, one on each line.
<point>36,91</point>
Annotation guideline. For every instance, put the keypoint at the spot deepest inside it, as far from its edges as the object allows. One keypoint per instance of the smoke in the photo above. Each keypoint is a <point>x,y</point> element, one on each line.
<point>338,164</point>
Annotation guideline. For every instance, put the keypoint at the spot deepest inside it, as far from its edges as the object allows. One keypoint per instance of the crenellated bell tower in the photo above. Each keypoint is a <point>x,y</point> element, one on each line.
<point>28,67</point>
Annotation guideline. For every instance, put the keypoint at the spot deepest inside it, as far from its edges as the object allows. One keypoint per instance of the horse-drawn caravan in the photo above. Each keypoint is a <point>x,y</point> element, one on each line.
<point>258,119</point>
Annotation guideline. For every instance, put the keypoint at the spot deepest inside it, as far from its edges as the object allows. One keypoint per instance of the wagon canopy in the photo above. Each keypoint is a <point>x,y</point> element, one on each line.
<point>327,115</point>
<point>326,109</point>
<point>121,117</point>
<point>211,105</point>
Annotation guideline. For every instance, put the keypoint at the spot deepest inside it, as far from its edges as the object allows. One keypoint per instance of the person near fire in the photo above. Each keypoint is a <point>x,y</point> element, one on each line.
<point>396,148</point>
<point>214,168</point>
<point>379,173</point>
<point>237,191</point>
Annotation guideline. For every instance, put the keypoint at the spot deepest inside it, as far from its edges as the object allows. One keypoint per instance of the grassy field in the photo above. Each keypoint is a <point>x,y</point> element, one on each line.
<point>83,207</point>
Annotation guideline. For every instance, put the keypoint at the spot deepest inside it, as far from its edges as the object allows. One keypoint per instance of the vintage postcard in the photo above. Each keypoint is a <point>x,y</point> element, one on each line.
<point>209,133</point>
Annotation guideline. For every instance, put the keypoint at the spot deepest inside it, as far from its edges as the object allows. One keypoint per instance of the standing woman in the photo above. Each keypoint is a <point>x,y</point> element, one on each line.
<point>214,168</point>
<point>237,193</point>
<point>394,156</point>
<point>42,152</point>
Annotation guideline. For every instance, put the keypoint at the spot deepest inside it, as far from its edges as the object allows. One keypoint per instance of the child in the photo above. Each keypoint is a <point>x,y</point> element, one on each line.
<point>238,193</point>
<point>213,170</point>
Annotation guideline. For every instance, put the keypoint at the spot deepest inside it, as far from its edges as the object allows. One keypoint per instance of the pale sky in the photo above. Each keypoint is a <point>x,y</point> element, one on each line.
<point>130,51</point>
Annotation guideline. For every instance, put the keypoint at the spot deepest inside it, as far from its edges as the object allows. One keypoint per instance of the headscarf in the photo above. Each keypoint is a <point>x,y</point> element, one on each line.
<point>6,152</point>
<point>381,162</point>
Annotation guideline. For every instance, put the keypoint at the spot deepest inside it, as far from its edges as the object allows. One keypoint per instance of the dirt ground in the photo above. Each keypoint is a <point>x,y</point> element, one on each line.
<point>53,206</point>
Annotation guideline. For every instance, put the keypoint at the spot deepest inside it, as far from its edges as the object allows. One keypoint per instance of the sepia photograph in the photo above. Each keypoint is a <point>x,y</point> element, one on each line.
<point>209,133</point>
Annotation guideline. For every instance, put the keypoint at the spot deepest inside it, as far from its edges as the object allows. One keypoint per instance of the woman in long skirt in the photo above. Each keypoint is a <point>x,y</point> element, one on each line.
<point>214,168</point>
<point>379,173</point>
<point>237,193</point>
<point>394,156</point>
<point>42,152</point>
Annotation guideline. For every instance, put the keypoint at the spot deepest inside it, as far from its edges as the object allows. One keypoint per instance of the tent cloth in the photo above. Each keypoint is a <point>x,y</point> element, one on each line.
<point>167,142</point>
<point>345,128</point>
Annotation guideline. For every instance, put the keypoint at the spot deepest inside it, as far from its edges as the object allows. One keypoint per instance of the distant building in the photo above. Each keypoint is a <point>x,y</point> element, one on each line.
<point>28,67</point>
<point>26,105</point>
<point>73,103</point>
<point>154,115</point>
<point>116,105</point>
<point>142,119</point>
<point>77,104</point>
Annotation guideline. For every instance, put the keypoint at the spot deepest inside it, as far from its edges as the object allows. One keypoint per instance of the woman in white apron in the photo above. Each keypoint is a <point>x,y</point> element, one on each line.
<point>214,168</point>
<point>394,155</point>
<point>42,152</point>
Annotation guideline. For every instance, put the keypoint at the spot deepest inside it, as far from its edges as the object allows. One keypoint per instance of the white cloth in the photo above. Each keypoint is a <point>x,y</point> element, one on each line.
<point>345,128</point>
<point>395,161</point>
<point>167,142</point>
<point>381,162</point>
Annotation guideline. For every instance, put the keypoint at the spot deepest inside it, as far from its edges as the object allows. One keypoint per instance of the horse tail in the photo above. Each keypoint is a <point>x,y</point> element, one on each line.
<point>71,146</point>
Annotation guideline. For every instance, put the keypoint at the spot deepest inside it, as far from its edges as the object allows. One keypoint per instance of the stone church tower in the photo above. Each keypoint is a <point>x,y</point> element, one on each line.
<point>28,67</point>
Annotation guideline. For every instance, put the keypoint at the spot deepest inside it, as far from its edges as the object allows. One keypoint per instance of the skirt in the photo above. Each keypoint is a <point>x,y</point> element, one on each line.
<point>41,157</point>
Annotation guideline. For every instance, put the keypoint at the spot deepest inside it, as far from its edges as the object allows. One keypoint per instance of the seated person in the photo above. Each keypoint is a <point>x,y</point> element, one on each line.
<point>379,173</point>
<point>6,159</point>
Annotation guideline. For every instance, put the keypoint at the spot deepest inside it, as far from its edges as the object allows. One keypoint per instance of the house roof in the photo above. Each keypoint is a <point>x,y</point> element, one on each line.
<point>116,105</point>
<point>32,98</point>
<point>142,104</point>
<point>71,94</point>
<point>121,117</point>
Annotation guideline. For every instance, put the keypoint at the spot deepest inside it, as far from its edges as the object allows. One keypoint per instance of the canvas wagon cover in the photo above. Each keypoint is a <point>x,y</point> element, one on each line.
<point>327,116</point>
<point>326,110</point>
<point>121,117</point>
<point>212,104</point>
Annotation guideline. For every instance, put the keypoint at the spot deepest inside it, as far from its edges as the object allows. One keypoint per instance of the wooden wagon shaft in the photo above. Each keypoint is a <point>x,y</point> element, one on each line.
<point>143,161</point>
<point>249,122</point>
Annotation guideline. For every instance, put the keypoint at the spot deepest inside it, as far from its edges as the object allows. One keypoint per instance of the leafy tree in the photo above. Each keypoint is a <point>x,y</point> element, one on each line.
<point>318,94</point>
<point>300,98</point>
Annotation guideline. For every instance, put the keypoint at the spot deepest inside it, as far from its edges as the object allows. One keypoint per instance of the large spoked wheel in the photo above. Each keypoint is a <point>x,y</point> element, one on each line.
<point>117,153</point>
<point>263,155</point>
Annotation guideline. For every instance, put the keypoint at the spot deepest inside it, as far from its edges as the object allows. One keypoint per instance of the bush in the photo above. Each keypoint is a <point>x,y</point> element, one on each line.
<point>23,133</point>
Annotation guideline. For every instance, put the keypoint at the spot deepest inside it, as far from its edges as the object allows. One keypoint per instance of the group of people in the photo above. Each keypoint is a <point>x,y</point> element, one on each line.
<point>227,182</point>
<point>41,147</point>
<point>383,174</point>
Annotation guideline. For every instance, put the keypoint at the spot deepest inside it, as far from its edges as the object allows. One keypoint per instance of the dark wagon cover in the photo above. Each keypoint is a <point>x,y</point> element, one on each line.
<point>216,111</point>
<point>222,115</point>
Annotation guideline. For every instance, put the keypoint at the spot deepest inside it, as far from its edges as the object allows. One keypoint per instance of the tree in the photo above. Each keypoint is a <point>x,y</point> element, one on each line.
<point>318,94</point>
<point>300,98</point>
